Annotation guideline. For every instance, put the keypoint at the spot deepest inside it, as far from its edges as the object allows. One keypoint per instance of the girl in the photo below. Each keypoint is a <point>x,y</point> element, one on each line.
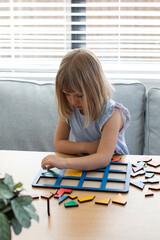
<point>86,111</point>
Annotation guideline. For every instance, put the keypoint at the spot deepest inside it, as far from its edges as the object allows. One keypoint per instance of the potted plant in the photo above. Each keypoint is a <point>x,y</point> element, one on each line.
<point>16,210</point>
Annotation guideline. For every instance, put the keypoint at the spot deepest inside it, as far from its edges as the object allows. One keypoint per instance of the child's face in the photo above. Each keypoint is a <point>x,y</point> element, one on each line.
<point>75,99</point>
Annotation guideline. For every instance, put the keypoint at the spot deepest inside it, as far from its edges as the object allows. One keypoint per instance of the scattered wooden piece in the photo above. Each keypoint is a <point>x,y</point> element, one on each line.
<point>141,172</point>
<point>149,175</point>
<point>155,187</point>
<point>72,197</point>
<point>150,180</point>
<point>86,199</point>
<point>61,199</point>
<point>146,168</point>
<point>61,191</point>
<point>145,159</point>
<point>154,163</point>
<point>138,184</point>
<point>71,204</point>
<point>149,193</point>
<point>48,207</point>
<point>153,170</point>
<point>136,169</point>
<point>104,201</point>
<point>119,199</point>
<point>34,196</point>
<point>47,196</point>
<point>138,164</point>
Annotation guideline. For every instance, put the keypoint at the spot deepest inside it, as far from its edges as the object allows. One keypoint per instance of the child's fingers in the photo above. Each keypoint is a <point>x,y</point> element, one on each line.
<point>45,164</point>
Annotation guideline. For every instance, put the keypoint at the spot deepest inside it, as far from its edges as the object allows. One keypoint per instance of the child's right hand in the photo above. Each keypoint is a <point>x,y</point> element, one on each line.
<point>52,160</point>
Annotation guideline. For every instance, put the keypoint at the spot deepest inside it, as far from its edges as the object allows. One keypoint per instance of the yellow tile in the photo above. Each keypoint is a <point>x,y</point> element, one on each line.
<point>72,197</point>
<point>73,173</point>
<point>85,199</point>
<point>119,199</point>
<point>104,201</point>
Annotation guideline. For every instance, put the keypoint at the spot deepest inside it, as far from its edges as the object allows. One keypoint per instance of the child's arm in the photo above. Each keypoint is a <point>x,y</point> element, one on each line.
<point>96,160</point>
<point>62,143</point>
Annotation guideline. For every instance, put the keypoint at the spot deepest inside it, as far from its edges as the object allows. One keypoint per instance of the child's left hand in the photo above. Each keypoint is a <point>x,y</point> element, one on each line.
<point>51,161</point>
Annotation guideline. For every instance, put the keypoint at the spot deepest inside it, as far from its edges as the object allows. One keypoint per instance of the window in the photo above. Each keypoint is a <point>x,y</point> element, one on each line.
<point>124,34</point>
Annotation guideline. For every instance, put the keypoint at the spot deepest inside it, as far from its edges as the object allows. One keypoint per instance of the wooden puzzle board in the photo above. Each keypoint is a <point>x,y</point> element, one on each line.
<point>115,178</point>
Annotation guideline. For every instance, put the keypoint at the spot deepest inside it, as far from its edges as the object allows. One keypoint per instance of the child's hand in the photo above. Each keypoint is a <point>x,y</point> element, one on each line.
<point>51,161</point>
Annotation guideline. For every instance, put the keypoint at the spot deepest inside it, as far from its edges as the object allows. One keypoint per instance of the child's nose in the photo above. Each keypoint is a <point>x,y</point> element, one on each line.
<point>73,100</point>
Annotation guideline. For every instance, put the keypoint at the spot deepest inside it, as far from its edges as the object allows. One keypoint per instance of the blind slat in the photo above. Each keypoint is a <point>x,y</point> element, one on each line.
<point>35,35</point>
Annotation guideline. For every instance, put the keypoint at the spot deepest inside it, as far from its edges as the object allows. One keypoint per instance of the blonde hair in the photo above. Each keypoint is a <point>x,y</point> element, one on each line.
<point>81,71</point>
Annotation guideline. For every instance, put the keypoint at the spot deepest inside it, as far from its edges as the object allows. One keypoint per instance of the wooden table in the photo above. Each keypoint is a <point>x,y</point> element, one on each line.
<point>139,219</point>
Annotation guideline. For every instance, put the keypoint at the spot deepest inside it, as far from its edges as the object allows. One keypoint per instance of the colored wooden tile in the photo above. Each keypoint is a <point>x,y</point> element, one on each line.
<point>146,168</point>
<point>71,204</point>
<point>119,199</point>
<point>72,197</point>
<point>61,191</point>
<point>104,201</point>
<point>153,170</point>
<point>138,164</point>
<point>149,193</point>
<point>34,196</point>
<point>145,159</point>
<point>51,171</point>
<point>154,163</point>
<point>117,159</point>
<point>47,196</point>
<point>136,169</point>
<point>155,187</point>
<point>138,184</point>
<point>150,180</point>
<point>73,173</point>
<point>149,175</point>
<point>141,172</point>
<point>48,207</point>
<point>86,199</point>
<point>61,199</point>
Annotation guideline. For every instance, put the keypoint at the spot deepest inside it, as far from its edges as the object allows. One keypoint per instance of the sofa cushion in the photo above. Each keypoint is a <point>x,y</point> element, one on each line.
<point>152,122</point>
<point>132,95</point>
<point>28,116</point>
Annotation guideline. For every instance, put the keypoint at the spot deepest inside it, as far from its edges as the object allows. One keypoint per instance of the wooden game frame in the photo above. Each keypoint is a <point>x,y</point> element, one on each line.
<point>104,180</point>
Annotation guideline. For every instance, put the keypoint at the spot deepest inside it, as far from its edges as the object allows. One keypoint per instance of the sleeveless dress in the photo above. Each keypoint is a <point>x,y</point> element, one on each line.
<point>93,131</point>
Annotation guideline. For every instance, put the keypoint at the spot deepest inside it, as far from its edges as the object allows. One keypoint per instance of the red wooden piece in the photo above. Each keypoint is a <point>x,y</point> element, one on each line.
<point>61,191</point>
<point>47,196</point>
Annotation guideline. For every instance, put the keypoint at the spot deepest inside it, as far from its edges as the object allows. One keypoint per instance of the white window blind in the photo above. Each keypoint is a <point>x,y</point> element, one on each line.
<point>124,34</point>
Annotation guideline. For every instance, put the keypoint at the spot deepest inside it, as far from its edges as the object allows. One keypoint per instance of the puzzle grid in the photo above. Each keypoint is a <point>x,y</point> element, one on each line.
<point>116,173</point>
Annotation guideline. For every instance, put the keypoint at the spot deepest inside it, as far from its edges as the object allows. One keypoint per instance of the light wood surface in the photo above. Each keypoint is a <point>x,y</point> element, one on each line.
<point>139,219</point>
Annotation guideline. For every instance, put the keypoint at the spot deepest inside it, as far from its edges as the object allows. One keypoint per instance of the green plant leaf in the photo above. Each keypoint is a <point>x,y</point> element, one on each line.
<point>5,192</point>
<point>5,232</point>
<point>31,212</point>
<point>24,200</point>
<point>16,226</point>
<point>2,204</point>
<point>6,209</point>
<point>8,180</point>
<point>18,185</point>
<point>20,213</point>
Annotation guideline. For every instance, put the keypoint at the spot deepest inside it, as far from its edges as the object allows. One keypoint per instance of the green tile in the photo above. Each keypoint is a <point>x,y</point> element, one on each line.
<point>71,204</point>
